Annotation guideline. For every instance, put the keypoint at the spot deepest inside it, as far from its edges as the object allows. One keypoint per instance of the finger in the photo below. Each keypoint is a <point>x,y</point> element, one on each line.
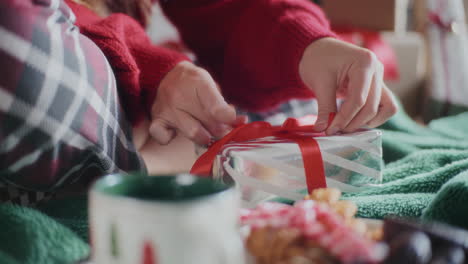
<point>214,127</point>
<point>218,130</point>
<point>222,112</point>
<point>371,107</point>
<point>214,104</point>
<point>387,108</point>
<point>241,120</point>
<point>359,85</point>
<point>214,113</point>
<point>326,101</point>
<point>161,131</point>
<point>192,128</point>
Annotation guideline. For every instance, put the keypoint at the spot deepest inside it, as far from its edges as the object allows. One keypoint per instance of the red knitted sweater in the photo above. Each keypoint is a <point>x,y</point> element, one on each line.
<point>251,47</point>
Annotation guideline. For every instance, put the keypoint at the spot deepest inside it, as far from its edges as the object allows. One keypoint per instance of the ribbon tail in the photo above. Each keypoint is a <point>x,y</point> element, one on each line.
<point>203,166</point>
<point>313,163</point>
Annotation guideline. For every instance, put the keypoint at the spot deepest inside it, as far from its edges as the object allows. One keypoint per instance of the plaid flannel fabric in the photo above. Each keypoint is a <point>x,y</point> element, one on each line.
<point>60,120</point>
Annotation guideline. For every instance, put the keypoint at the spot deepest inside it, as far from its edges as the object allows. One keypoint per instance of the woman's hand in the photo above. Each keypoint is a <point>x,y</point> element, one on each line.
<point>189,102</point>
<point>331,67</point>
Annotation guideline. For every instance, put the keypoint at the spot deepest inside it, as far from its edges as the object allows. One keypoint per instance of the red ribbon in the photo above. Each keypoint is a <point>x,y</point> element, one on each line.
<point>303,135</point>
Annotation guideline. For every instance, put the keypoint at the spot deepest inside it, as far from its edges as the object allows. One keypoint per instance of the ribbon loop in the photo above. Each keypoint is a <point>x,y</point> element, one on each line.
<point>290,123</point>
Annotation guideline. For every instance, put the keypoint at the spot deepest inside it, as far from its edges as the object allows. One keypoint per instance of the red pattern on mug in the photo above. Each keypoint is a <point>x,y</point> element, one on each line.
<point>149,256</point>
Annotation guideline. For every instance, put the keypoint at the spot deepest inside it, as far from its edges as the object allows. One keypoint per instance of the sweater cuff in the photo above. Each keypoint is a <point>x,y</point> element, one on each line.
<point>155,62</point>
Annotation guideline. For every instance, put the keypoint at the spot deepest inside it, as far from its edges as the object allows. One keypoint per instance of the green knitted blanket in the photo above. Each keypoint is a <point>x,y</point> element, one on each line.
<point>426,176</point>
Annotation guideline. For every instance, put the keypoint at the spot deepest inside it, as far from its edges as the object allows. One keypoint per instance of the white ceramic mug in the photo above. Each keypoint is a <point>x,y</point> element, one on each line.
<point>180,219</point>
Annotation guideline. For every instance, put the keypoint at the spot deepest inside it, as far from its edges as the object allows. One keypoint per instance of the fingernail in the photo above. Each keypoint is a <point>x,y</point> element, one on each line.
<point>333,130</point>
<point>241,119</point>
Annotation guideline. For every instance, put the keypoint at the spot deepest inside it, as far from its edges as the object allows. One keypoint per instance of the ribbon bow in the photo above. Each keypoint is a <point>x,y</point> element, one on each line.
<point>303,135</point>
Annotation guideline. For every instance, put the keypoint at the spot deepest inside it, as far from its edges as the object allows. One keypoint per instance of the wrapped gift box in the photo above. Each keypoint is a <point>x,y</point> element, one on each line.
<point>270,167</point>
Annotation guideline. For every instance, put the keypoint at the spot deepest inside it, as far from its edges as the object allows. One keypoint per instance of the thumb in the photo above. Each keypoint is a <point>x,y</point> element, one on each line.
<point>326,104</point>
<point>161,132</point>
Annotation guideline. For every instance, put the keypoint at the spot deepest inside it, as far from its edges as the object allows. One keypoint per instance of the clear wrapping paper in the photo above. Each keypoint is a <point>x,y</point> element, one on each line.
<point>272,167</point>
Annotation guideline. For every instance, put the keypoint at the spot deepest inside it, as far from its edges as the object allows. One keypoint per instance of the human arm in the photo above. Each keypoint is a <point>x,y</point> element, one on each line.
<point>252,48</point>
<point>156,83</point>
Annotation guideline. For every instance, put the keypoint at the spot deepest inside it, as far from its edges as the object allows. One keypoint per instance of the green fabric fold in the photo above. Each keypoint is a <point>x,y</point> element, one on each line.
<point>29,236</point>
<point>425,172</point>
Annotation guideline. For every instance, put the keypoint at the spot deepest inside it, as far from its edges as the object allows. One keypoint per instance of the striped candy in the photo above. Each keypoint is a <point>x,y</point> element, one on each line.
<point>317,222</point>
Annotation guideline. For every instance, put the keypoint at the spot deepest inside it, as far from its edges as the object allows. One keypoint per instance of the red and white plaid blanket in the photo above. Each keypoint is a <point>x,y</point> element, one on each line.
<point>60,119</point>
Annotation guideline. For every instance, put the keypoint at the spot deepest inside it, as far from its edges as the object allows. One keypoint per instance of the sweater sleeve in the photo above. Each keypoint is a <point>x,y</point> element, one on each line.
<point>252,47</point>
<point>138,65</point>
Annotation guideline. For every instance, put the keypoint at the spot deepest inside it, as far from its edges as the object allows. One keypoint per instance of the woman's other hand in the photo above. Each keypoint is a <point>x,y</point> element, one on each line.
<point>189,102</point>
<point>332,68</point>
